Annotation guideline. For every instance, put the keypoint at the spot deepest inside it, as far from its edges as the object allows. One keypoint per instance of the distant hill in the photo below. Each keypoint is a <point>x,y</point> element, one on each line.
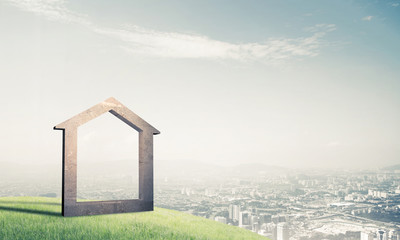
<point>162,169</point>
<point>392,167</point>
<point>252,169</point>
<point>40,218</point>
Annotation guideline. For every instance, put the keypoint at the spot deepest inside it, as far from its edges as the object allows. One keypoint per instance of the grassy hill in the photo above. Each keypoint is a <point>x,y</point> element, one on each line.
<point>40,218</point>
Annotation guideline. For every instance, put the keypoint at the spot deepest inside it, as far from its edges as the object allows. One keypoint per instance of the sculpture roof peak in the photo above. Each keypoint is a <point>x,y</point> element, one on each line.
<point>113,106</point>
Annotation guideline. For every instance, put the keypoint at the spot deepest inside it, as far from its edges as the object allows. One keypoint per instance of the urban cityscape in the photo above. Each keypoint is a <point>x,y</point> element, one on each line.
<point>293,204</point>
<point>275,202</point>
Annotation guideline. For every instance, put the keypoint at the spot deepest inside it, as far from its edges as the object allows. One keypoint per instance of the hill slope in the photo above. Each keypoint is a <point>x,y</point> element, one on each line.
<point>40,218</point>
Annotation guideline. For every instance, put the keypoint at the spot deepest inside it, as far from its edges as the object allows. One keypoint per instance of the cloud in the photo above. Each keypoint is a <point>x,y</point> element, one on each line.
<point>367,18</point>
<point>321,28</point>
<point>138,40</point>
<point>395,4</point>
<point>54,10</point>
<point>181,45</point>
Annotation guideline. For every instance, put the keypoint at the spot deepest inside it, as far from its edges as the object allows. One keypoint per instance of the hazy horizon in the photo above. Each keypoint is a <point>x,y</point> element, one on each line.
<point>302,85</point>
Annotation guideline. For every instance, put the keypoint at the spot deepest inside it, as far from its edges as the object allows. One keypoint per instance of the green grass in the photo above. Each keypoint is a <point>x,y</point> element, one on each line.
<point>40,218</point>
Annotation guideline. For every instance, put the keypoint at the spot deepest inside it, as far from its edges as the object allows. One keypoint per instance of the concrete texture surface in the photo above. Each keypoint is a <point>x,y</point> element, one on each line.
<point>70,206</point>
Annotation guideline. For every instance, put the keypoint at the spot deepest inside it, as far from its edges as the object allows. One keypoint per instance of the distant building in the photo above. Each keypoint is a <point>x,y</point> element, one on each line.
<point>377,194</point>
<point>282,231</point>
<point>396,235</point>
<point>278,218</point>
<point>275,219</point>
<point>349,197</point>
<point>274,231</point>
<point>263,232</point>
<point>254,219</point>
<point>265,218</point>
<point>253,211</point>
<point>210,192</point>
<point>234,211</point>
<point>367,236</point>
<point>381,235</point>
<point>255,225</point>
<point>244,220</point>
<point>220,219</point>
<point>353,235</point>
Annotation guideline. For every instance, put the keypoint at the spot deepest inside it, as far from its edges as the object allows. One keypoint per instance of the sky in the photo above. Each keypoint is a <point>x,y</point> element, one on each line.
<point>287,83</point>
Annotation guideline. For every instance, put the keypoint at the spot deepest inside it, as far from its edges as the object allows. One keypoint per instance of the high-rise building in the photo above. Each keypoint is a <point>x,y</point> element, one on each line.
<point>381,235</point>
<point>254,222</point>
<point>244,219</point>
<point>230,211</point>
<point>396,235</point>
<point>255,227</point>
<point>274,234</point>
<point>367,236</point>
<point>234,211</point>
<point>282,231</point>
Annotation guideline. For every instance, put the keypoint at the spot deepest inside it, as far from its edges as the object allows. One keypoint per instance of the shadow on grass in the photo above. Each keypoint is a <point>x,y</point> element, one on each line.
<point>25,210</point>
<point>38,203</point>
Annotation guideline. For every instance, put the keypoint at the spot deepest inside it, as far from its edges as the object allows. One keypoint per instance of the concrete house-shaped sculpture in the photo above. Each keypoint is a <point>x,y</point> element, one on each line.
<point>70,206</point>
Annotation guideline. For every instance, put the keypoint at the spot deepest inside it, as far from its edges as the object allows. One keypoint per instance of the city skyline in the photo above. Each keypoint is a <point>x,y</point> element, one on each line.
<point>280,83</point>
<point>281,205</point>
